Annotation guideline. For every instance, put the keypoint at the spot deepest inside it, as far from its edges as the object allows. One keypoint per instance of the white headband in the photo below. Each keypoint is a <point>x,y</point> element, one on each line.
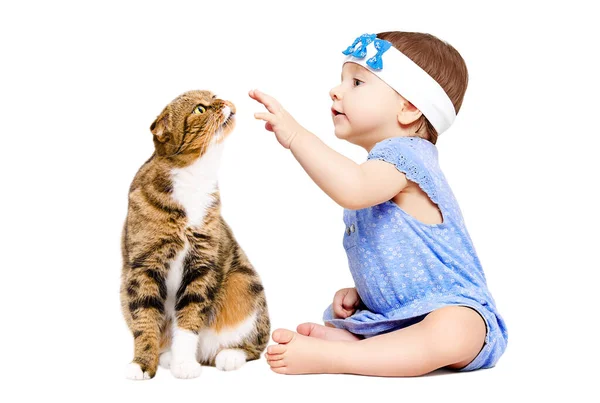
<point>405,77</point>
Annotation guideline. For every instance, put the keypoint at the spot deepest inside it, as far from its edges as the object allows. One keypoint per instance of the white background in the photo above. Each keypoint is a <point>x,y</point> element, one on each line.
<point>82,82</point>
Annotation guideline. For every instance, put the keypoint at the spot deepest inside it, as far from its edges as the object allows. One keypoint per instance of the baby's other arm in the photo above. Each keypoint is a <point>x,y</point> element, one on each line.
<point>345,302</point>
<point>349,184</point>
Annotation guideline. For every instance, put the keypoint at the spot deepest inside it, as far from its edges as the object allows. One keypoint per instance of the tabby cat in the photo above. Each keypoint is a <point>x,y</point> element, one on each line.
<point>188,292</point>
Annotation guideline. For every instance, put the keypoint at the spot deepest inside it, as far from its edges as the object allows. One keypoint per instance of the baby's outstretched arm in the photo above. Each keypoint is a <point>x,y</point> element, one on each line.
<point>349,184</point>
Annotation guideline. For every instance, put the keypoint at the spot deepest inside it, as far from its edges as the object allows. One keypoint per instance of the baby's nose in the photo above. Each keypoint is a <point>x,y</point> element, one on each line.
<point>334,93</point>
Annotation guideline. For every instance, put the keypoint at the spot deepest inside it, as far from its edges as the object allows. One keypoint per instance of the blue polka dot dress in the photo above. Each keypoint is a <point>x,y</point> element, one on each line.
<point>403,269</point>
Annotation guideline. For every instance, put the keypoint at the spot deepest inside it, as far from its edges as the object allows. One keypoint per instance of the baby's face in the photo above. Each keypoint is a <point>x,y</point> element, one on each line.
<point>364,107</point>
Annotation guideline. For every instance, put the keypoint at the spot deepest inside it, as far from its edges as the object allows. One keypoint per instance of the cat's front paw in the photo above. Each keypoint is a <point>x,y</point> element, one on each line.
<point>230,359</point>
<point>134,371</point>
<point>185,369</point>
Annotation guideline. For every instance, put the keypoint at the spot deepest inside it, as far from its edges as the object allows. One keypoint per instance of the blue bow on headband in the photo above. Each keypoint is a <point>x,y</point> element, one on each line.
<point>358,49</point>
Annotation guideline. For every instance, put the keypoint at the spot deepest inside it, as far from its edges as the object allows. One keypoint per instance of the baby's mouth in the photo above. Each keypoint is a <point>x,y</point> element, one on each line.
<point>336,113</point>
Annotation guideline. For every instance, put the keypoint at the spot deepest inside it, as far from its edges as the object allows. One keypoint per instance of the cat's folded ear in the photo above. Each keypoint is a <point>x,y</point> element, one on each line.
<point>161,128</point>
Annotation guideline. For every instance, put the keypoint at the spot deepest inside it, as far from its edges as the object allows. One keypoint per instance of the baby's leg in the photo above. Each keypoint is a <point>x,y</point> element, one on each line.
<point>327,332</point>
<point>448,337</point>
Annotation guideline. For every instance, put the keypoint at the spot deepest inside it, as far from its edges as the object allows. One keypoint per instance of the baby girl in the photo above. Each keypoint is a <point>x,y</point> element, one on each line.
<point>420,300</point>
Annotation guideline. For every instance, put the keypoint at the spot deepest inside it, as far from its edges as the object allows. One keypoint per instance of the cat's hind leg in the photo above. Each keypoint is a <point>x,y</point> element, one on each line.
<point>225,347</point>
<point>235,346</point>
<point>230,359</point>
<point>238,329</point>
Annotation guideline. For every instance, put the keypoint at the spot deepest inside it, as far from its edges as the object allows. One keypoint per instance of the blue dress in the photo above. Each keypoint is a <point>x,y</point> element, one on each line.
<point>404,269</point>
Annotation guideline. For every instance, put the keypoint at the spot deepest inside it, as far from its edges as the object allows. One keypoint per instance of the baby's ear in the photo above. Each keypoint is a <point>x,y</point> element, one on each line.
<point>408,114</point>
<point>161,128</point>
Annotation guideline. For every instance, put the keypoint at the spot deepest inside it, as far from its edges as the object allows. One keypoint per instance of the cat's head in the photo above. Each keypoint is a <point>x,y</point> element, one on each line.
<point>191,123</point>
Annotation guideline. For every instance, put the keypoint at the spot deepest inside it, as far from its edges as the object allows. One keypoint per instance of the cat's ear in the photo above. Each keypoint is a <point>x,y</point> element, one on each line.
<point>161,128</point>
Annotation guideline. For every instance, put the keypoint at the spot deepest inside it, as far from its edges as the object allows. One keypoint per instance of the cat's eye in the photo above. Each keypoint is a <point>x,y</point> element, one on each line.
<point>199,109</point>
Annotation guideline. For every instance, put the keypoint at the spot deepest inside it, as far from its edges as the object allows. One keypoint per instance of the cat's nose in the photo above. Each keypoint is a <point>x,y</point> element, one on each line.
<point>230,105</point>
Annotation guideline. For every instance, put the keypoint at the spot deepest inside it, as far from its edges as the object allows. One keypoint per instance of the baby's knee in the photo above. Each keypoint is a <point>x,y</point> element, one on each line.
<point>458,331</point>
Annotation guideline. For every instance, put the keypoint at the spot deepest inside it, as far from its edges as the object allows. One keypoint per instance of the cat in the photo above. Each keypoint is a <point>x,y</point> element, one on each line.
<point>188,292</point>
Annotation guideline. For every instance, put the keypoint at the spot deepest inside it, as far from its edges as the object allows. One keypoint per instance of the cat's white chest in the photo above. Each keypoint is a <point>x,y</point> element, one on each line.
<point>194,185</point>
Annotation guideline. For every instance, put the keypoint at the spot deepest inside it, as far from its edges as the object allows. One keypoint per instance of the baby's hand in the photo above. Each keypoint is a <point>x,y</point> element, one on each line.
<point>345,302</point>
<point>279,121</point>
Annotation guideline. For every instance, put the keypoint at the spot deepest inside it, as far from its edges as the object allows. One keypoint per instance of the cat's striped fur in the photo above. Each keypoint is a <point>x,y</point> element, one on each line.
<point>188,290</point>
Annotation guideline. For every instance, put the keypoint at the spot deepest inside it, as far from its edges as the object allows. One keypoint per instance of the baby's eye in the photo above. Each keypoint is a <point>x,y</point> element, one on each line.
<point>199,109</point>
<point>357,82</point>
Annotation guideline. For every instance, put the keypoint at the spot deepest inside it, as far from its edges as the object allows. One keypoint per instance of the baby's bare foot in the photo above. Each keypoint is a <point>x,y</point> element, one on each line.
<point>299,354</point>
<point>327,333</point>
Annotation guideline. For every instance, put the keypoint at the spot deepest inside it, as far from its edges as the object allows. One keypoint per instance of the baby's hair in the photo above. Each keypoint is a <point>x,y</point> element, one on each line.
<point>440,60</point>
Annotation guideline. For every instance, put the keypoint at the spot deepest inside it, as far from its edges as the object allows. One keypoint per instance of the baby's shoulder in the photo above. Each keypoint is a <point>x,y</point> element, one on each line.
<point>407,153</point>
<point>409,147</point>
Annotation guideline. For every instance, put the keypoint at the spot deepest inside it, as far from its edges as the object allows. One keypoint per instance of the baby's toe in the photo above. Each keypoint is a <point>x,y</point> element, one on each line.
<point>277,363</point>
<point>305,328</point>
<point>279,370</point>
<point>283,336</point>
<point>273,357</point>
<point>276,349</point>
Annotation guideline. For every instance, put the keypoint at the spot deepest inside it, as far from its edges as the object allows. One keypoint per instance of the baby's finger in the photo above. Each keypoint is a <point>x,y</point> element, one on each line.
<point>342,312</point>
<point>338,311</point>
<point>268,101</point>
<point>349,301</point>
<point>338,298</point>
<point>267,117</point>
<point>254,95</point>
